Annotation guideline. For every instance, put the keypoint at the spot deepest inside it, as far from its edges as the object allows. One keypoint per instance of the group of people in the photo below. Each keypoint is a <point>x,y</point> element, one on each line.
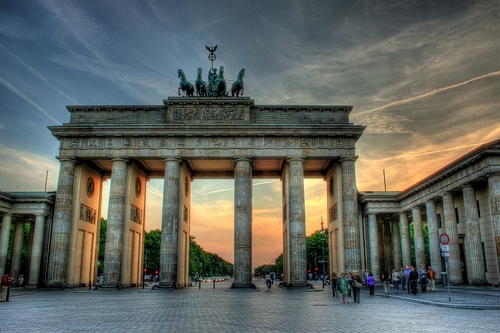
<point>407,278</point>
<point>345,285</point>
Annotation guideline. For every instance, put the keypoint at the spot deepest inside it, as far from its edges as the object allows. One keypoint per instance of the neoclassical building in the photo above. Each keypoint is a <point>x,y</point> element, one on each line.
<point>184,139</point>
<point>460,202</point>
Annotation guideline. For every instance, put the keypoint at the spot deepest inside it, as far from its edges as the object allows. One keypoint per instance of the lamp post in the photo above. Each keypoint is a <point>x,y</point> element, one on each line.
<point>322,231</point>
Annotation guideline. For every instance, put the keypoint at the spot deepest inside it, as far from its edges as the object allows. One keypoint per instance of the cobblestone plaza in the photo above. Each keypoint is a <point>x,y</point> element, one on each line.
<point>219,310</point>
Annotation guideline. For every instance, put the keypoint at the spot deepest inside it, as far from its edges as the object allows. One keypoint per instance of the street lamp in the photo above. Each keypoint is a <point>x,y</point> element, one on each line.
<point>322,231</point>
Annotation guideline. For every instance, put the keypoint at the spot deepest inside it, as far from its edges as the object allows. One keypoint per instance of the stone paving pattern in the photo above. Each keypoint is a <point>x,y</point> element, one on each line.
<point>219,310</point>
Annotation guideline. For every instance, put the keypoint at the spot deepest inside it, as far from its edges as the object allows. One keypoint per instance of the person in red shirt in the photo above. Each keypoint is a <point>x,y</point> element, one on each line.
<point>6,279</point>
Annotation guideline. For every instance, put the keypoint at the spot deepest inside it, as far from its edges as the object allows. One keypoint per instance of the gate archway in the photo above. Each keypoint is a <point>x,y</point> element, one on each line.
<point>199,137</point>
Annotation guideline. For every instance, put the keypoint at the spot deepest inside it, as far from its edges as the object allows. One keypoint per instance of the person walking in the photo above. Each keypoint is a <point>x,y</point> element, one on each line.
<point>344,287</point>
<point>407,277</point>
<point>6,280</point>
<point>370,282</point>
<point>396,279</point>
<point>413,278</point>
<point>356,286</point>
<point>423,278</point>
<point>365,277</point>
<point>430,279</point>
<point>333,284</point>
<point>386,279</point>
<point>268,284</point>
<point>402,275</point>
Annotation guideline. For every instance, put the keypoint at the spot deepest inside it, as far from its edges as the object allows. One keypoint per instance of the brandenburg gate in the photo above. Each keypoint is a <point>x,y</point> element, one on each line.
<point>179,141</point>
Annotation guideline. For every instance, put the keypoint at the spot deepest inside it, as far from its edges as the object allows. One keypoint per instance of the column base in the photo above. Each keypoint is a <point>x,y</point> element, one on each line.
<point>296,286</point>
<point>246,286</point>
<point>167,285</point>
<point>480,282</point>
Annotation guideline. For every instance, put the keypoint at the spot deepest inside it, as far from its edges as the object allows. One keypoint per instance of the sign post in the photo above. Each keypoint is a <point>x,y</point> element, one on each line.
<point>444,239</point>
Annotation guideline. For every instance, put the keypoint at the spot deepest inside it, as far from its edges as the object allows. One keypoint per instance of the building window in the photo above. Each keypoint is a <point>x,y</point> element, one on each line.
<point>439,220</point>
<point>456,214</point>
<point>478,208</point>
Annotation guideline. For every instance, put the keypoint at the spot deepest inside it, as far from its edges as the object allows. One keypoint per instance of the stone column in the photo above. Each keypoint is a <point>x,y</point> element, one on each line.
<point>297,223</point>
<point>396,245</point>
<point>352,249</point>
<point>387,245</point>
<point>17,250</point>
<point>404,231</point>
<point>242,223</point>
<point>36,250</point>
<point>473,242</point>
<point>450,222</point>
<point>116,219</point>
<point>418,237</point>
<point>434,246</point>
<point>169,249</point>
<point>494,194</point>
<point>374,253</point>
<point>4,241</point>
<point>61,225</point>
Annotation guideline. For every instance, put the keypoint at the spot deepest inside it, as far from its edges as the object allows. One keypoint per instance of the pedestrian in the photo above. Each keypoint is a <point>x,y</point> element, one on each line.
<point>423,278</point>
<point>268,284</point>
<point>396,279</point>
<point>430,279</point>
<point>413,278</point>
<point>365,276</point>
<point>370,281</point>
<point>333,284</point>
<point>407,277</point>
<point>403,278</point>
<point>6,280</point>
<point>356,286</point>
<point>386,279</point>
<point>343,283</point>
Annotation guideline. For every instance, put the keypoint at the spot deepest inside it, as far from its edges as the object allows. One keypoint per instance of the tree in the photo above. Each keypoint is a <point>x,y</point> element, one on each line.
<point>152,245</point>
<point>317,251</point>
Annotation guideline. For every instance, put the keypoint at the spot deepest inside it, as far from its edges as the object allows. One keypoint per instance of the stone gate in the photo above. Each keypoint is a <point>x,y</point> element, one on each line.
<point>198,137</point>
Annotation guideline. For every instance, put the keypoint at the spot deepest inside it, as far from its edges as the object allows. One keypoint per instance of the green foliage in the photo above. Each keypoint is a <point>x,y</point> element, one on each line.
<point>205,264</point>
<point>152,243</point>
<point>102,243</point>
<point>425,230</point>
<point>317,251</point>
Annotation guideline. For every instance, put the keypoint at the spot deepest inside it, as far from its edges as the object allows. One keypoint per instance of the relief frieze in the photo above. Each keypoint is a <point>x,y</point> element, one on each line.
<point>209,143</point>
<point>219,113</point>
<point>87,214</point>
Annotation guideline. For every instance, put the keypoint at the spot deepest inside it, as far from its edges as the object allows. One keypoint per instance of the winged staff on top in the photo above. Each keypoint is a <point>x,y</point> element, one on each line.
<point>216,84</point>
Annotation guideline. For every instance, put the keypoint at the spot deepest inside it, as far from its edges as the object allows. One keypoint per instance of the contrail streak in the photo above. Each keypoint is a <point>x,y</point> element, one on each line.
<point>430,93</point>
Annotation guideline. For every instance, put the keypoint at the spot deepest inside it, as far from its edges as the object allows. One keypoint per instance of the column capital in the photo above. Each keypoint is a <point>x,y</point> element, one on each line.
<point>467,185</point>
<point>66,159</point>
<point>172,158</point>
<point>446,194</point>
<point>348,158</point>
<point>243,158</point>
<point>122,159</point>
<point>295,158</point>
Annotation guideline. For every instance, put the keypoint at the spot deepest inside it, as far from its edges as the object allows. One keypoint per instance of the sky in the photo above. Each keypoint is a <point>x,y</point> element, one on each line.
<point>423,76</point>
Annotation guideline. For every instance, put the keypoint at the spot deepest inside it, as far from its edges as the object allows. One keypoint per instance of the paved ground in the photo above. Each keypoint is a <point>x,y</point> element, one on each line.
<point>219,310</point>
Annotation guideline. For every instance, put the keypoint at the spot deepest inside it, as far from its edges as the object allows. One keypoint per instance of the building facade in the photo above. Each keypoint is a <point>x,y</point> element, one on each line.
<point>460,203</point>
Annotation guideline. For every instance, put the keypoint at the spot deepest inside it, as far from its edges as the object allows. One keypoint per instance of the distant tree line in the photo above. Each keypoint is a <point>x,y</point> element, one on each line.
<point>201,262</point>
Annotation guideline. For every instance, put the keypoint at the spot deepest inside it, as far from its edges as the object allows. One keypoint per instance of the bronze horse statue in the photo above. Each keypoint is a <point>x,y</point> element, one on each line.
<point>221,83</point>
<point>237,85</point>
<point>184,85</point>
<point>201,86</point>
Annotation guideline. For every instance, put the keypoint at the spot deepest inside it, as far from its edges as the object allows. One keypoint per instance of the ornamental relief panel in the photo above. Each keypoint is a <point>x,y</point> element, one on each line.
<point>218,113</point>
<point>209,143</point>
